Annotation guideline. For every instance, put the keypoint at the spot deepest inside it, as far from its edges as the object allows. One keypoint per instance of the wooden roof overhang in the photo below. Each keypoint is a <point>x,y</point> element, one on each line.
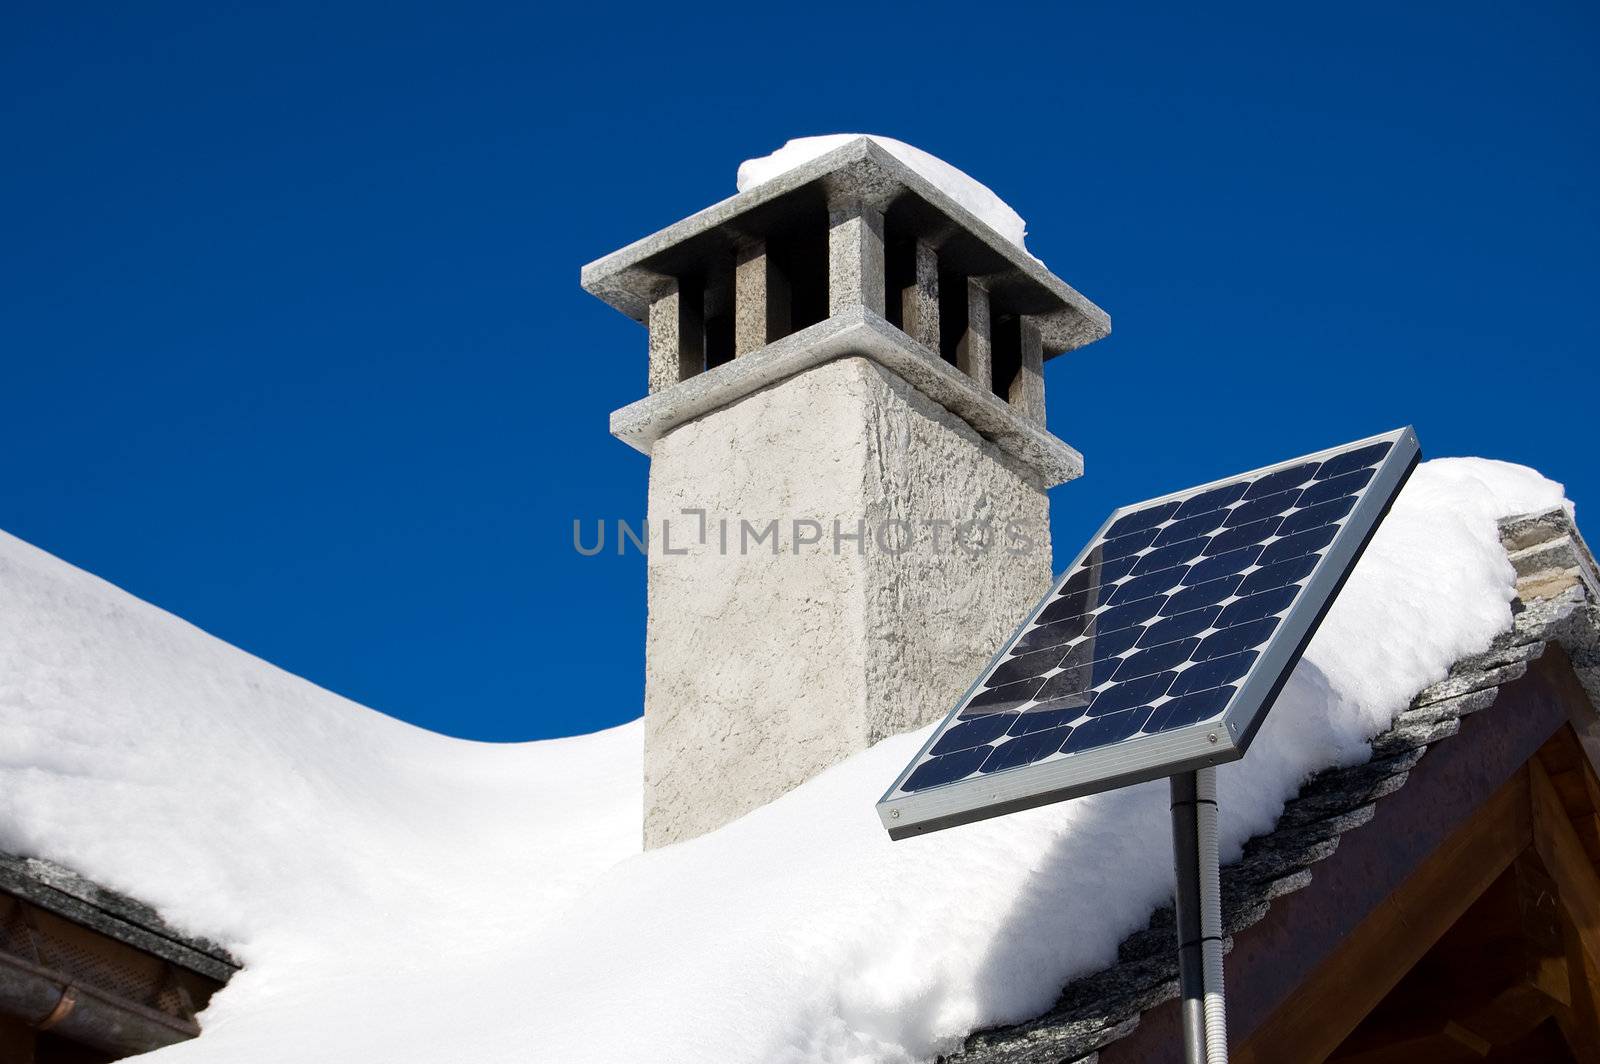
<point>88,975</point>
<point>1512,792</point>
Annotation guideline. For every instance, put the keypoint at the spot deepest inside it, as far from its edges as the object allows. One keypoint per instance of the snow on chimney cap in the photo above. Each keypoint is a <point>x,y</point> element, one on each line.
<point>960,186</point>
<point>860,171</point>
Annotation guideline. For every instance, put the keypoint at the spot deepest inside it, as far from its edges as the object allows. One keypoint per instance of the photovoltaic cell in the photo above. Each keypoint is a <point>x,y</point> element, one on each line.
<point>1161,647</point>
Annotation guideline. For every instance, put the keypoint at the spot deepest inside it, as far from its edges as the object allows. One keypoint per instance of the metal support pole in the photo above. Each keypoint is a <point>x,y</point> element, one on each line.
<point>1205,808</point>
<point>1186,862</point>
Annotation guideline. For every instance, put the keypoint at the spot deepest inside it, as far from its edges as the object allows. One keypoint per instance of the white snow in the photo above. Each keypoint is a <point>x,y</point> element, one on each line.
<point>964,189</point>
<point>402,898</point>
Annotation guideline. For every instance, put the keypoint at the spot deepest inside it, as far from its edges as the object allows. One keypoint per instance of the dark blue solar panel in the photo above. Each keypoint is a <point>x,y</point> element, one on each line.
<point>1234,561</point>
<point>1253,534</point>
<point>1168,556</point>
<point>978,732</point>
<point>1140,520</point>
<point>1282,480</point>
<point>1182,626</point>
<point>1123,546</point>
<point>1190,528</point>
<point>1350,460</point>
<point>1255,607</point>
<point>1025,749</point>
<point>1158,625</point>
<point>1215,499</point>
<point>1308,542</point>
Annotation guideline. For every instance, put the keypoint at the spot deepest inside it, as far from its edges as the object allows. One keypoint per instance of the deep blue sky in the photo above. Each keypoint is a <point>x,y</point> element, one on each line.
<point>293,346</point>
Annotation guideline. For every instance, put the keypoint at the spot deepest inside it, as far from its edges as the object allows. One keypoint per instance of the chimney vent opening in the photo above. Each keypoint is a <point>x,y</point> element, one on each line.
<point>803,258</point>
<point>1006,353</point>
<point>953,312</point>
<point>719,316</point>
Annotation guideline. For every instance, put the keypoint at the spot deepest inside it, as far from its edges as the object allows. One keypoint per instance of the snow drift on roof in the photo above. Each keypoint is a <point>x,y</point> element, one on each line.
<point>402,898</point>
<point>965,190</point>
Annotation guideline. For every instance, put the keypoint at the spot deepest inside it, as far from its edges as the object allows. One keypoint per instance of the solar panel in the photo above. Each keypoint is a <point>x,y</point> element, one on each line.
<point>1163,644</point>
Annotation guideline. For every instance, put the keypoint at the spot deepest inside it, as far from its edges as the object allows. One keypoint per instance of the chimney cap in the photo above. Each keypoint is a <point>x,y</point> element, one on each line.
<point>861,170</point>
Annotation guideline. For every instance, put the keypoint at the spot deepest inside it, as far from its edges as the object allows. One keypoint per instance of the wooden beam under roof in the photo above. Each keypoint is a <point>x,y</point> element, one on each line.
<point>1490,950</point>
<point>1351,983</point>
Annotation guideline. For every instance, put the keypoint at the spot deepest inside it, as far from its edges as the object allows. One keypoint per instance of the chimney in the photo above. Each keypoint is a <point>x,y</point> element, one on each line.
<point>849,461</point>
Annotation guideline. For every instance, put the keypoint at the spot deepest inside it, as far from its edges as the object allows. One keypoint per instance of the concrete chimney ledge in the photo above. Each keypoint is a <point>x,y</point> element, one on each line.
<point>857,331</point>
<point>635,276</point>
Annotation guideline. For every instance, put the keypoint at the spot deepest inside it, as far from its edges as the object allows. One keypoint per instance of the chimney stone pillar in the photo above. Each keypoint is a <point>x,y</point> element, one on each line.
<point>848,518</point>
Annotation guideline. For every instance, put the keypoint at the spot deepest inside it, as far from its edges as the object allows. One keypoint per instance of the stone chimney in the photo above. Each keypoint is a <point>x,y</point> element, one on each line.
<point>849,461</point>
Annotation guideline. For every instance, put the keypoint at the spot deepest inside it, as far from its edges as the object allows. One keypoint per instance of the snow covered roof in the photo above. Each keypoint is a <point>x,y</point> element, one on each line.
<point>1104,1008</point>
<point>452,885</point>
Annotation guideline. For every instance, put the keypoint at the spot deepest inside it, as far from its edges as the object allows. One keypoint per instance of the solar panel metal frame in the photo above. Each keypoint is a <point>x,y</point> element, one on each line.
<point>1147,757</point>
